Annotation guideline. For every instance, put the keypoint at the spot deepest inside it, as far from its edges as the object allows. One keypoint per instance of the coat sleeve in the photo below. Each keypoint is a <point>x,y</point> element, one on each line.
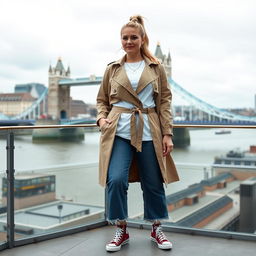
<point>103,106</point>
<point>166,118</point>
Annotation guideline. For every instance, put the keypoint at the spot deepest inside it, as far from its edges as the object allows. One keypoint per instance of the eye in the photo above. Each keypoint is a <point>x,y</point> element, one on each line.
<point>134,37</point>
<point>125,38</point>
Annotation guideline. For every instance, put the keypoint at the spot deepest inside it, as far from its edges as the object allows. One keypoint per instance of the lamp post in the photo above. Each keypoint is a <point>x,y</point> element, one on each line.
<point>60,207</point>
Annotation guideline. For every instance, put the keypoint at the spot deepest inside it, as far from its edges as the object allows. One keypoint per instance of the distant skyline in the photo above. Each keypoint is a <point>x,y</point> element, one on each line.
<point>212,43</point>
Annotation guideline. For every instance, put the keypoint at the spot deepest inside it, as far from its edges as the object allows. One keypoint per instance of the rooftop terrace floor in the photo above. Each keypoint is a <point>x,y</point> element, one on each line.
<point>92,243</point>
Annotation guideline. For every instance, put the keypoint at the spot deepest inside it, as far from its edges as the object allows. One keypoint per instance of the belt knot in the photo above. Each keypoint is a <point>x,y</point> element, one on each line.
<point>137,132</point>
<point>136,110</point>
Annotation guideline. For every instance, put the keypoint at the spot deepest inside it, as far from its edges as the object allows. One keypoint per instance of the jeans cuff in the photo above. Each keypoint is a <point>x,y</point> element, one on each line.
<point>114,221</point>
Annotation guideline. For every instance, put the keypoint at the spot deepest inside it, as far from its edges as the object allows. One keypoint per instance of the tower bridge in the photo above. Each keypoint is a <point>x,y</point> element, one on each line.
<point>60,83</point>
<point>54,102</point>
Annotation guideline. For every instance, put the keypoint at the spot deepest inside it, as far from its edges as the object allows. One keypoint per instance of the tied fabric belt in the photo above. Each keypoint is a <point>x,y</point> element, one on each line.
<point>136,132</point>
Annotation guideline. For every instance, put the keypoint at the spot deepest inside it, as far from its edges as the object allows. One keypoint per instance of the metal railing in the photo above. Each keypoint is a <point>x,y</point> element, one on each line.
<point>10,128</point>
<point>10,194</point>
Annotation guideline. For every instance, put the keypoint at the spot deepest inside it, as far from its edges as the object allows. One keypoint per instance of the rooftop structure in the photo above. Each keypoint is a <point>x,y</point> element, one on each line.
<point>204,215</point>
<point>182,194</point>
<point>52,216</point>
<point>248,206</point>
<point>218,180</point>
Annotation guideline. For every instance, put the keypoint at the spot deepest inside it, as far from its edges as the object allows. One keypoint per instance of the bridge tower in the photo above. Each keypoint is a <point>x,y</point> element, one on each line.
<point>58,96</point>
<point>181,135</point>
<point>166,60</point>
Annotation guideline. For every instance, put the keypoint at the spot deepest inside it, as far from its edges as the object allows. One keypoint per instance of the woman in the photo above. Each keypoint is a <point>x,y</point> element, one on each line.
<point>134,116</point>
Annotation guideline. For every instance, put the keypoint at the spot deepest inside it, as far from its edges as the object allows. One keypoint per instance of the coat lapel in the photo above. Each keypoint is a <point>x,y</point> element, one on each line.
<point>121,78</point>
<point>148,75</point>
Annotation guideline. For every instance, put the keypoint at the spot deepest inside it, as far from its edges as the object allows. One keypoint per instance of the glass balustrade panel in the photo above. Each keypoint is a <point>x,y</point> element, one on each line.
<point>56,180</point>
<point>217,187</point>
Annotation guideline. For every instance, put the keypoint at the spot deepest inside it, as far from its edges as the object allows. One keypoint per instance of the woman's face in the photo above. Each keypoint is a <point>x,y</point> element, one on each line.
<point>131,40</point>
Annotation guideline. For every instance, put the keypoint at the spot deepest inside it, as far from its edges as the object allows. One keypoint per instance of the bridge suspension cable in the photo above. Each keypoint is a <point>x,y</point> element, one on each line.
<point>206,107</point>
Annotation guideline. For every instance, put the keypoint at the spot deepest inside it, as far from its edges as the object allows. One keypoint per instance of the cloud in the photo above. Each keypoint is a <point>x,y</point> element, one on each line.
<point>212,43</point>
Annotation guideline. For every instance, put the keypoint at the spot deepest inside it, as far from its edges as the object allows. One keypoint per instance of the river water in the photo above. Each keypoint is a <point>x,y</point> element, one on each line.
<point>205,145</point>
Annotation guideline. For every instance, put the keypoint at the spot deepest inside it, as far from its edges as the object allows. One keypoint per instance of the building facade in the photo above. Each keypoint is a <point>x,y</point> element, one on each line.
<point>30,190</point>
<point>77,108</point>
<point>35,89</point>
<point>12,104</point>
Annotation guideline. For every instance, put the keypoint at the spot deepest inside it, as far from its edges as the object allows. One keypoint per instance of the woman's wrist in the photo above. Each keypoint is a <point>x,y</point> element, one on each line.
<point>100,121</point>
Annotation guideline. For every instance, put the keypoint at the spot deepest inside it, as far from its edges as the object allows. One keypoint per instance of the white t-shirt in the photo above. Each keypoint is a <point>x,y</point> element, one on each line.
<point>134,71</point>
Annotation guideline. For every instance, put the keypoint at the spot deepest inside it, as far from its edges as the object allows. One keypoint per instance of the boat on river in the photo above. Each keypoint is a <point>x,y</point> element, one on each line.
<point>223,131</point>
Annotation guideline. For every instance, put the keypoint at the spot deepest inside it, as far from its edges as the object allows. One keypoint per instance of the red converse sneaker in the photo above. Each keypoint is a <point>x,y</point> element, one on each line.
<point>158,236</point>
<point>121,238</point>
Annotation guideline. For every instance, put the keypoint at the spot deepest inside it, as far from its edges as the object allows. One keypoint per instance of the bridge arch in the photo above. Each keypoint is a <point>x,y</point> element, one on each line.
<point>63,114</point>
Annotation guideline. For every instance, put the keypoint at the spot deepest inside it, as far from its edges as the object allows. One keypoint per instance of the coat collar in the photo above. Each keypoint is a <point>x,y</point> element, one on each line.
<point>122,61</point>
<point>148,75</point>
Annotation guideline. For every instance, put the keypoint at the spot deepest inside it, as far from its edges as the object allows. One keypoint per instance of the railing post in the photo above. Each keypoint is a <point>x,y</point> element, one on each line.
<point>10,188</point>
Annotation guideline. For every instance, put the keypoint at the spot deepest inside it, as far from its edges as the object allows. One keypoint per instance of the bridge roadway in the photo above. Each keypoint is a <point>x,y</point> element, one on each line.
<point>92,121</point>
<point>211,110</point>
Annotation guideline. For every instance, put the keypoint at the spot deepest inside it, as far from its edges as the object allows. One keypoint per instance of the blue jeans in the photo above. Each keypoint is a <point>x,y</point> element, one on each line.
<point>155,207</point>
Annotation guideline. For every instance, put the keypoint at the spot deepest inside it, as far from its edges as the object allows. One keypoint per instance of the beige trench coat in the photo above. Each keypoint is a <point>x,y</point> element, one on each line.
<point>116,87</point>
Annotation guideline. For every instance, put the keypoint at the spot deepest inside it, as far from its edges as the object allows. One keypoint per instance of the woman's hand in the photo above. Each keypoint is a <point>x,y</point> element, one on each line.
<point>103,121</point>
<point>167,145</point>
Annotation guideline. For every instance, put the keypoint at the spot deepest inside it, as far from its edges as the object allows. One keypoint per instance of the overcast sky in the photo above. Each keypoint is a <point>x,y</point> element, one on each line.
<point>212,43</point>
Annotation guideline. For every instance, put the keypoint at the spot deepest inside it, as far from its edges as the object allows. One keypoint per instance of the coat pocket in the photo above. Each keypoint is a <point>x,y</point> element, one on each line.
<point>111,116</point>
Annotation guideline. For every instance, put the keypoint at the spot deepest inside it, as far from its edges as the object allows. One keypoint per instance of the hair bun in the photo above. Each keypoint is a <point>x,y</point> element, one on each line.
<point>137,18</point>
<point>134,19</point>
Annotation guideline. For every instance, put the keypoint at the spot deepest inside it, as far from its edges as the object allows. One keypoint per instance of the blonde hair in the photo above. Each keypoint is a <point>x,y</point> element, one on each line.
<point>137,21</point>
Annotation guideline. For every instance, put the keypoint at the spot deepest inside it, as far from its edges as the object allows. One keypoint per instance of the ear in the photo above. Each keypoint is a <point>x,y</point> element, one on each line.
<point>142,41</point>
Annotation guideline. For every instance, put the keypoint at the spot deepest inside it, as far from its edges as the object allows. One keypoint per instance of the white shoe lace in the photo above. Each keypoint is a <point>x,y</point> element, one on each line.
<point>118,235</point>
<point>160,234</point>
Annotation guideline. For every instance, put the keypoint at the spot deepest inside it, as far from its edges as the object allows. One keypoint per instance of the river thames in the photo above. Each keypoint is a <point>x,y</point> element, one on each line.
<point>205,145</point>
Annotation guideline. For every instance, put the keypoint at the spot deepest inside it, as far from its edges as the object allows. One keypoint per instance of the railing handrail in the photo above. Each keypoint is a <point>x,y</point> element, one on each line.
<point>95,125</point>
<point>23,127</point>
